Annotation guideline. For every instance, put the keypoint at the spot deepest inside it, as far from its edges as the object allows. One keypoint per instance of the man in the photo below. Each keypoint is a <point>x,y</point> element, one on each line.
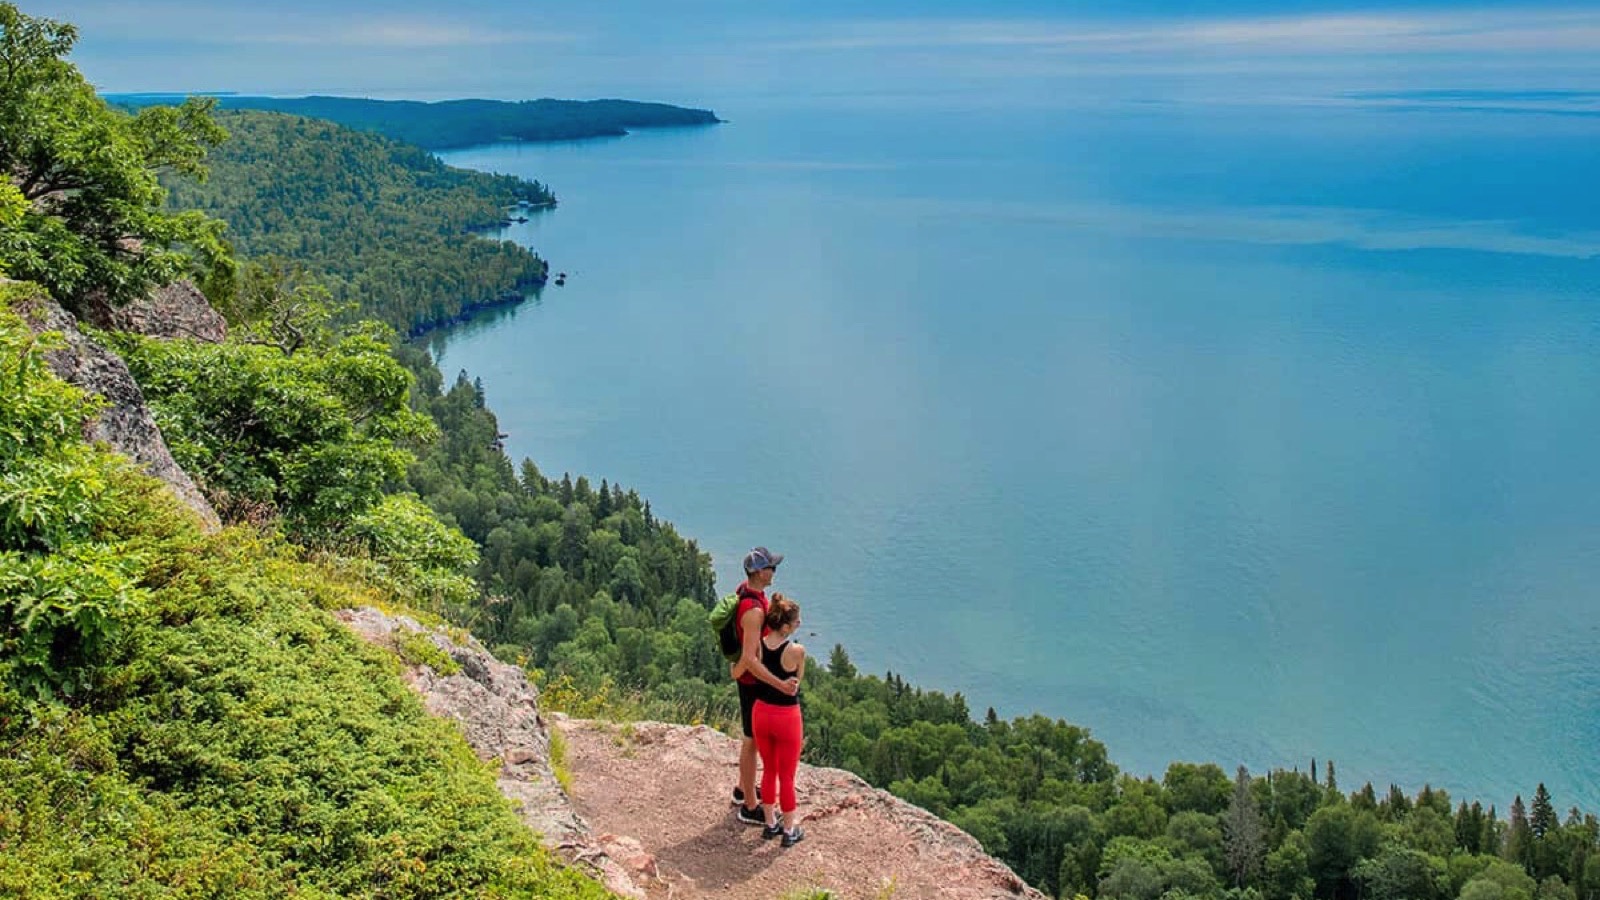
<point>750,624</point>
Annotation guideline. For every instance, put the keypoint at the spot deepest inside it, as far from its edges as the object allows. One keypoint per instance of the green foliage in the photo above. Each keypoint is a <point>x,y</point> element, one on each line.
<point>91,217</point>
<point>463,123</point>
<point>558,760</point>
<point>1133,869</point>
<point>243,743</point>
<point>385,226</point>
<point>1401,873</point>
<point>1338,838</point>
<point>1500,880</point>
<point>57,610</point>
<point>418,649</point>
<point>13,206</point>
<point>310,435</point>
<point>1288,870</point>
<point>228,737</point>
<point>64,581</point>
<point>1199,787</point>
<point>425,563</point>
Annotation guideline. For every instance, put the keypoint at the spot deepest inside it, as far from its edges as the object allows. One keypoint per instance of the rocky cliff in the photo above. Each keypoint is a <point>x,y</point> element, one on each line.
<point>125,424</point>
<point>649,806</point>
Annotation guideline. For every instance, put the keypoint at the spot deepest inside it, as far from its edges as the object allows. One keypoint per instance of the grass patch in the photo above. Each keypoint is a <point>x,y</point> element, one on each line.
<point>558,760</point>
<point>418,649</point>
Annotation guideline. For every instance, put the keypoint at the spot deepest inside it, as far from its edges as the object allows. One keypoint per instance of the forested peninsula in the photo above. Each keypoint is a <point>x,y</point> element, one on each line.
<point>382,226</point>
<point>180,715</point>
<point>463,123</point>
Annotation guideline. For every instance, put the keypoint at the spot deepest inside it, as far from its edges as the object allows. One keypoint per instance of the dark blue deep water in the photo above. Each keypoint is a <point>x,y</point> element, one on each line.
<point>1246,436</point>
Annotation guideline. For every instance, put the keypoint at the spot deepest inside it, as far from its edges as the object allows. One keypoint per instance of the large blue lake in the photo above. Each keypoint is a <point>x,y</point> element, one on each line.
<point>1248,436</point>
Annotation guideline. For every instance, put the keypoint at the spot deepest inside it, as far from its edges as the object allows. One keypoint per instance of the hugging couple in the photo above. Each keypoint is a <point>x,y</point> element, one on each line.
<point>768,673</point>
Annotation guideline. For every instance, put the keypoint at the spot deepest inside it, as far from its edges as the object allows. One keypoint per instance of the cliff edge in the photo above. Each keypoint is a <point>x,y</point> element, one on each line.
<point>649,810</point>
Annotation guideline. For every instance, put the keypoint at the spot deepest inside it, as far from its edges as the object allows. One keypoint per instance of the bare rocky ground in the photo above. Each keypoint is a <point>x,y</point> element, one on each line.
<point>650,811</point>
<point>659,798</point>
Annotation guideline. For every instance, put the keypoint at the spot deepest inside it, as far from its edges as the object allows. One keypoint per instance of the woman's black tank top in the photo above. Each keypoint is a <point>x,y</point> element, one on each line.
<point>772,658</point>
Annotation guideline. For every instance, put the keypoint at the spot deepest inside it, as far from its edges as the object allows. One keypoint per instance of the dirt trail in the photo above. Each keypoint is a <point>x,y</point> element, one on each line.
<point>657,797</point>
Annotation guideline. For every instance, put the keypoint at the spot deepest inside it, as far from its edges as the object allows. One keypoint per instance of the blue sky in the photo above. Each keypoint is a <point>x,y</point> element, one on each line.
<point>709,51</point>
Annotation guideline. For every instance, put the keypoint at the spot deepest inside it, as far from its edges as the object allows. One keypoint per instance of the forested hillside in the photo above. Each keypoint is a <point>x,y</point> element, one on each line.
<point>383,225</point>
<point>463,123</point>
<point>179,723</point>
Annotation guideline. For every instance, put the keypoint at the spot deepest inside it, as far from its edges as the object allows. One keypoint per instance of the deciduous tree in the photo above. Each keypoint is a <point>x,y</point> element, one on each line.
<point>1243,838</point>
<point>88,173</point>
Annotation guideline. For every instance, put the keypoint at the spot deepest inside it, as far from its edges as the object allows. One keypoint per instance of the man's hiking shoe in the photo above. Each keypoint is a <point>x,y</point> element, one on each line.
<point>794,836</point>
<point>738,795</point>
<point>772,831</point>
<point>751,815</point>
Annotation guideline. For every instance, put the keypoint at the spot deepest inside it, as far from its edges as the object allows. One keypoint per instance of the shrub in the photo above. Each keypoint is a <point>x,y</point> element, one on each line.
<point>423,561</point>
<point>311,434</point>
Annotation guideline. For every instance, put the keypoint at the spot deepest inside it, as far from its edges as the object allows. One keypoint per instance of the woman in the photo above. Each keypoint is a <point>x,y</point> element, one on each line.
<point>779,730</point>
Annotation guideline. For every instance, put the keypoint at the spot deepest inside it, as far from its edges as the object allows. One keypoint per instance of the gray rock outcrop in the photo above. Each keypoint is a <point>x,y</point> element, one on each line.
<point>178,310</point>
<point>498,711</point>
<point>125,424</point>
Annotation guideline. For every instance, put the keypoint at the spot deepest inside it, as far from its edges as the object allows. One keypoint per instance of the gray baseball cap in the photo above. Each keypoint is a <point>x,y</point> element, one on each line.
<point>761,558</point>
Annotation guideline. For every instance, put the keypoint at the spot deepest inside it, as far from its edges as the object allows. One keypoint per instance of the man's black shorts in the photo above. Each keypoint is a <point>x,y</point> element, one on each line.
<point>747,703</point>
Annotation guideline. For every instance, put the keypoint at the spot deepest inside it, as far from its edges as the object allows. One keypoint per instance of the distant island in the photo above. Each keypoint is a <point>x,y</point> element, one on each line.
<point>449,124</point>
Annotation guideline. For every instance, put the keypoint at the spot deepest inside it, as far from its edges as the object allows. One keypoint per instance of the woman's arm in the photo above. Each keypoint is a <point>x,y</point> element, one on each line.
<point>794,659</point>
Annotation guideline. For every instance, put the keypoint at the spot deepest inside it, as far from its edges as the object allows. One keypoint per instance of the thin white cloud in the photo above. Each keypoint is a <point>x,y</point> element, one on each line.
<point>1459,31</point>
<point>397,34</point>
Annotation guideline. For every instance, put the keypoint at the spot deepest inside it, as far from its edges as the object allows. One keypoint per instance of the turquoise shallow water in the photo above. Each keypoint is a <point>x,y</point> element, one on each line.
<point>1233,437</point>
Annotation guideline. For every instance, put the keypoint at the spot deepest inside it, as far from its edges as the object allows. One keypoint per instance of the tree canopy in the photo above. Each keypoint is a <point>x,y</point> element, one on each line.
<point>83,199</point>
<point>387,228</point>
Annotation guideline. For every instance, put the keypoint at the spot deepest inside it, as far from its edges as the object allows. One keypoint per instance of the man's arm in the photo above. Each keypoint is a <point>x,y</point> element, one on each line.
<point>750,659</point>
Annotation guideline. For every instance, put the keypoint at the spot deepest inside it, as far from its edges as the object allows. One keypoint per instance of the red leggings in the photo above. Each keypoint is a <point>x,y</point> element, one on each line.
<point>779,732</point>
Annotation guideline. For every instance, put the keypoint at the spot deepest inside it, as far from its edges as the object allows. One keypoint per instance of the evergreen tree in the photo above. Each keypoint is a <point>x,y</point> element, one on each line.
<point>839,664</point>
<point>1519,836</point>
<point>1492,840</point>
<point>1469,827</point>
<point>1542,816</point>
<point>1365,799</point>
<point>1395,806</point>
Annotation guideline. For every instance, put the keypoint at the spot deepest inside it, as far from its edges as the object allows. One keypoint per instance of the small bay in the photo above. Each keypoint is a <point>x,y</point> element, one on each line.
<point>1232,435</point>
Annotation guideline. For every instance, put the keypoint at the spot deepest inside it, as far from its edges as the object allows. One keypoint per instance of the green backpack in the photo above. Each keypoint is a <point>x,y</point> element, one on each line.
<point>721,619</point>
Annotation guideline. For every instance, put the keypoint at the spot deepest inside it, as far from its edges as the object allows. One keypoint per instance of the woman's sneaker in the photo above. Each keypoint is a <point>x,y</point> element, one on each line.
<point>794,836</point>
<point>751,816</point>
<point>772,831</point>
